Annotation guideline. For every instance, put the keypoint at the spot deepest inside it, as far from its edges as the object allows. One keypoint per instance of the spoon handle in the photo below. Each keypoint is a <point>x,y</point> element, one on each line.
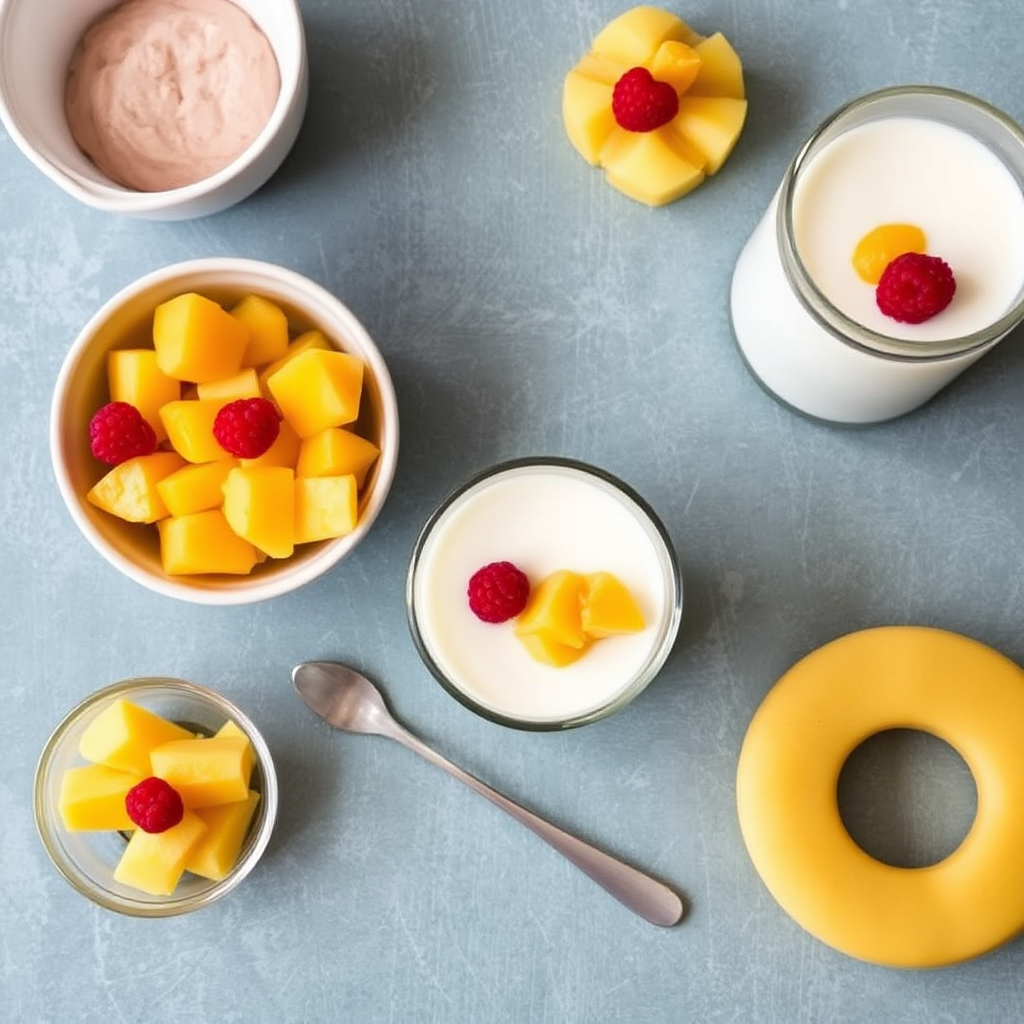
<point>644,895</point>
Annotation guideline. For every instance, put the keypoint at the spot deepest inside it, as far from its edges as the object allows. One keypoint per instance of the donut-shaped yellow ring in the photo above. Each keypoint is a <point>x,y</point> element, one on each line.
<point>811,721</point>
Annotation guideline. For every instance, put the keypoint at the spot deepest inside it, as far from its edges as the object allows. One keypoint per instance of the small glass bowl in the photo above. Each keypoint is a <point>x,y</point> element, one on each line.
<point>88,859</point>
<point>542,514</point>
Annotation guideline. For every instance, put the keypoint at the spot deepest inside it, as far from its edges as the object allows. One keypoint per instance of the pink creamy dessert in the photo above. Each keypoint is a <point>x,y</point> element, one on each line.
<point>163,93</point>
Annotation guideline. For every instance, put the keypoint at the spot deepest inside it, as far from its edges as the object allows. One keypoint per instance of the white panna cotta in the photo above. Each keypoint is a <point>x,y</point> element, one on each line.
<point>542,515</point>
<point>809,327</point>
<point>920,172</point>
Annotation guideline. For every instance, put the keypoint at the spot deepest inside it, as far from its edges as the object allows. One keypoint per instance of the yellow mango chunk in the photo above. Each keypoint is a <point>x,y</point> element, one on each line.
<point>268,329</point>
<point>600,68</point>
<point>259,505</point>
<point>336,452</point>
<point>196,340</point>
<point>318,389</point>
<point>195,487</point>
<point>651,170</point>
<point>123,734</point>
<point>134,377</point>
<point>283,452</point>
<point>129,491</point>
<point>676,63</point>
<point>542,648</point>
<point>880,246</point>
<point>587,114</point>
<point>189,426</point>
<point>205,771</point>
<point>721,72</point>
<point>553,610</point>
<point>325,507</point>
<point>92,798</point>
<point>245,384</point>
<point>230,728</point>
<point>303,343</point>
<point>712,125</point>
<point>155,862</point>
<point>203,542</point>
<point>215,854</point>
<point>607,608</point>
<point>632,38</point>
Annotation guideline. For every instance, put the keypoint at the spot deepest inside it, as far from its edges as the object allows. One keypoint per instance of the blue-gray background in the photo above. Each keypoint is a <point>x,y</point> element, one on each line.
<point>524,308</point>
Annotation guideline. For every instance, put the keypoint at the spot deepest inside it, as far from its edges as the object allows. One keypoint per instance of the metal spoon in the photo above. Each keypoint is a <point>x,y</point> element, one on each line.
<point>349,701</point>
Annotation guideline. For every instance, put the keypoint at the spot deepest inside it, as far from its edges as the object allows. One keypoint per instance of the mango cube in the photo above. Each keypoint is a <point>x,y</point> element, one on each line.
<point>542,648</point>
<point>129,490</point>
<point>712,125</point>
<point>259,505</point>
<point>608,608</point>
<point>652,169</point>
<point>676,63</point>
<point>587,114</point>
<point>268,329</point>
<point>230,728</point>
<point>189,426</point>
<point>318,389</point>
<point>195,487</point>
<point>92,798</point>
<point>721,72</point>
<point>134,377</point>
<point>205,771</point>
<point>336,452</point>
<point>215,854</point>
<point>155,861</point>
<point>244,384</point>
<point>123,734</point>
<point>196,340</point>
<point>553,610</point>
<point>325,507</point>
<point>203,542</point>
<point>303,343</point>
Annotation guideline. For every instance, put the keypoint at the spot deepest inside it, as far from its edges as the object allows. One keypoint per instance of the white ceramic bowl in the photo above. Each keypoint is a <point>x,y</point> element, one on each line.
<point>88,859</point>
<point>125,321</point>
<point>37,38</point>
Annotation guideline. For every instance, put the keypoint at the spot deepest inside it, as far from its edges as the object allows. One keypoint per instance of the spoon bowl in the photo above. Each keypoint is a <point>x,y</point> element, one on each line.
<point>348,701</point>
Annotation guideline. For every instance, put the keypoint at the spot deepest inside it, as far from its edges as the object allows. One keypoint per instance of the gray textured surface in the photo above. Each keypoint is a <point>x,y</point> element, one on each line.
<point>524,308</point>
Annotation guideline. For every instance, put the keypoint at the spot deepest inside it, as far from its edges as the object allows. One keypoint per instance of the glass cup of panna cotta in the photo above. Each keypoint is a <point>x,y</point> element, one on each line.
<point>809,327</point>
<point>542,515</point>
<point>88,859</point>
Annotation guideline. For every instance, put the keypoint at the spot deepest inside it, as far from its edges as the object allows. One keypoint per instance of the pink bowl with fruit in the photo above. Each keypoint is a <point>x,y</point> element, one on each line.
<point>276,537</point>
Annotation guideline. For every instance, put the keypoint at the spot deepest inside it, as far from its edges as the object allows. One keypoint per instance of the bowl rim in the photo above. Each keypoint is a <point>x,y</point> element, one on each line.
<point>660,650</point>
<point>46,818</point>
<point>247,589</point>
<point>112,198</point>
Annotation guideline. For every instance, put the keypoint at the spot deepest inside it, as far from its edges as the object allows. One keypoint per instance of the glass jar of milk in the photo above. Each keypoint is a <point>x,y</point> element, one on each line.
<point>808,326</point>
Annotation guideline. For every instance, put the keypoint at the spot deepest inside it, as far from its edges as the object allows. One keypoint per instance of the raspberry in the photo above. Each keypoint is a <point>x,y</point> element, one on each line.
<point>154,805</point>
<point>641,103</point>
<point>914,287</point>
<point>247,427</point>
<point>498,592</point>
<point>118,432</point>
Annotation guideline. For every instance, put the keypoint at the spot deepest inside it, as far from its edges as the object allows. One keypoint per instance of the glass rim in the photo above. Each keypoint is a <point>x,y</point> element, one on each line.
<point>821,308</point>
<point>660,649</point>
<point>145,905</point>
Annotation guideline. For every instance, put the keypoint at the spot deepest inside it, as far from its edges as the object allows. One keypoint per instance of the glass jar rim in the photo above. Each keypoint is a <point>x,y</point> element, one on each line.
<point>816,303</point>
